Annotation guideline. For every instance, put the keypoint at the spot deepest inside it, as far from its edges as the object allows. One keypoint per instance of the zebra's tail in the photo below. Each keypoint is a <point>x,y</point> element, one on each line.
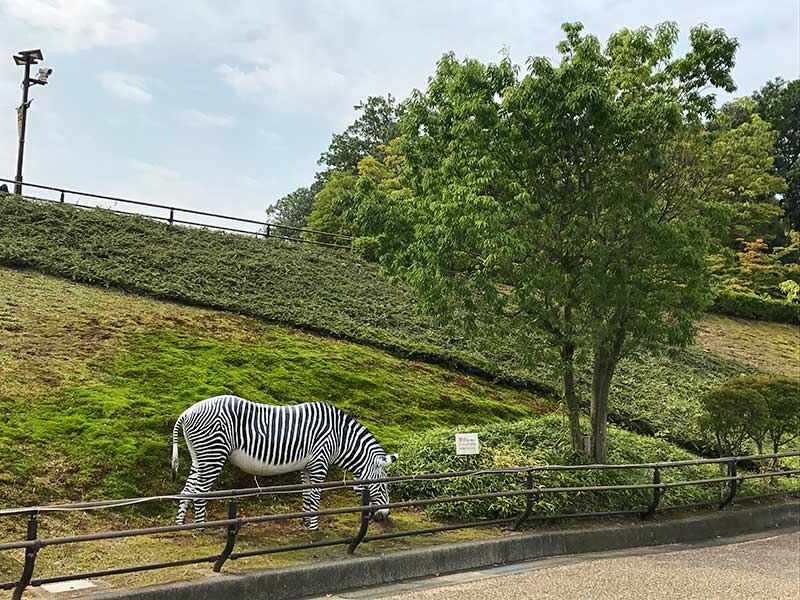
<point>175,431</point>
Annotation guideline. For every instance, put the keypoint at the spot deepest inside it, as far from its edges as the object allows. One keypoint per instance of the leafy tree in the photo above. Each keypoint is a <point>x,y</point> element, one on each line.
<point>732,413</point>
<point>292,210</point>
<point>555,199</point>
<point>331,203</point>
<point>758,407</point>
<point>379,213</point>
<point>366,205</point>
<point>783,398</point>
<point>778,102</point>
<point>761,271</point>
<point>736,168</point>
<point>377,125</point>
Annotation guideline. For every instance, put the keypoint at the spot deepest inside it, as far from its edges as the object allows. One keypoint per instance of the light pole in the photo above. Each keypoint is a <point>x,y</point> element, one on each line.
<point>26,58</point>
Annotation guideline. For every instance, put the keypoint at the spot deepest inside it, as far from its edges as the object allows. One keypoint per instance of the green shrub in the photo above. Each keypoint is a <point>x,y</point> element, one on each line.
<point>732,413</point>
<point>750,306</point>
<point>792,291</point>
<point>543,441</point>
<point>754,407</point>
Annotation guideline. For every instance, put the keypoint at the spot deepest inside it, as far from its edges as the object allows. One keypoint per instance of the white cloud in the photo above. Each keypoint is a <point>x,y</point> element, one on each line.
<point>152,173</point>
<point>250,182</point>
<point>72,25</point>
<point>291,76</point>
<point>125,86</point>
<point>197,118</point>
<point>272,137</point>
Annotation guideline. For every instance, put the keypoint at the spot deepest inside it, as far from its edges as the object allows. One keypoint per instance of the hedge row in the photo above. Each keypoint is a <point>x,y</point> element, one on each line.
<point>545,441</point>
<point>750,306</point>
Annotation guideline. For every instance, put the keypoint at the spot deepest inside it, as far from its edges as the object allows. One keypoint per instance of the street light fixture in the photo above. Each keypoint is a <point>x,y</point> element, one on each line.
<point>26,58</point>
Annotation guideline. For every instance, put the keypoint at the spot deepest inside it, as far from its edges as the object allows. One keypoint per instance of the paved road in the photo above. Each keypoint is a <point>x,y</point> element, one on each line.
<point>745,568</point>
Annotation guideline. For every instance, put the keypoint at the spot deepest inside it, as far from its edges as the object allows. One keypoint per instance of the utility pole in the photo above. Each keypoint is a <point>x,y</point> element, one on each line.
<point>26,58</point>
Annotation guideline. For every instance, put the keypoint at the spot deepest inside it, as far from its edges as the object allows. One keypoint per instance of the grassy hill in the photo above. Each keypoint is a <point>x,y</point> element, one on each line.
<point>335,295</point>
<point>91,381</point>
<point>92,377</point>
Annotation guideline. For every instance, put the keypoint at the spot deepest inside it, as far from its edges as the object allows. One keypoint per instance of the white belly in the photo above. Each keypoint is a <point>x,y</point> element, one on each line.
<point>248,464</point>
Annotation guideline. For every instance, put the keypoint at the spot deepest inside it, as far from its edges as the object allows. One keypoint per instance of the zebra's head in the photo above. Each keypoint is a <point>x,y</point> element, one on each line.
<point>379,492</point>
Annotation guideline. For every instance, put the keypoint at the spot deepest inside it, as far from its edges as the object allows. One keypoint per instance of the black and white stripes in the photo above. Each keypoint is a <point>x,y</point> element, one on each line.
<point>269,440</point>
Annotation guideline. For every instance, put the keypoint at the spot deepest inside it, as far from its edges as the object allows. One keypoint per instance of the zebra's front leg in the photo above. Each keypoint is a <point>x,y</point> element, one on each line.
<point>311,497</point>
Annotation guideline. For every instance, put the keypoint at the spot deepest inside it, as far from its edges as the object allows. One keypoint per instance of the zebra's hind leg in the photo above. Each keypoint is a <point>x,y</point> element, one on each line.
<point>208,472</point>
<point>311,497</point>
<point>189,488</point>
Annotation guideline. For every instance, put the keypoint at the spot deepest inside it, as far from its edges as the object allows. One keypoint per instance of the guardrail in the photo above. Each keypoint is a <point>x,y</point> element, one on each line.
<point>268,230</point>
<point>234,523</point>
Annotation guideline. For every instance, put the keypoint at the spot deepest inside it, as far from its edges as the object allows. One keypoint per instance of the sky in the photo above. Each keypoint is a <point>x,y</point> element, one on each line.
<point>226,106</point>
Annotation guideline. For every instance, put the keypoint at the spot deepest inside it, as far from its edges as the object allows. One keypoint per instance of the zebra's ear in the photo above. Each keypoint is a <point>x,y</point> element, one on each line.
<point>385,461</point>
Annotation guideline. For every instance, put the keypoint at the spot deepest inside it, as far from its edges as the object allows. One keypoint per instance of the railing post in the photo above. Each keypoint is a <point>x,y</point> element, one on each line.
<point>530,498</point>
<point>171,215</point>
<point>268,232</point>
<point>233,529</point>
<point>734,484</point>
<point>30,557</point>
<point>61,198</point>
<point>656,494</point>
<point>365,515</point>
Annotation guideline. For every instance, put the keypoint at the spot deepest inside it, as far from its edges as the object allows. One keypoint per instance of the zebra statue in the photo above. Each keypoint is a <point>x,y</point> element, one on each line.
<point>262,439</point>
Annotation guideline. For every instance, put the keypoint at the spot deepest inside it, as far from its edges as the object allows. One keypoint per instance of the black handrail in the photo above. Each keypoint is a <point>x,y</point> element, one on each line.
<point>32,544</point>
<point>351,483</point>
<point>173,209</point>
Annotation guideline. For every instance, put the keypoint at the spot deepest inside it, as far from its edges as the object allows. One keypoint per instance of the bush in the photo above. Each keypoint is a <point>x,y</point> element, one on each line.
<point>367,247</point>
<point>754,407</point>
<point>540,441</point>
<point>750,306</point>
<point>732,413</point>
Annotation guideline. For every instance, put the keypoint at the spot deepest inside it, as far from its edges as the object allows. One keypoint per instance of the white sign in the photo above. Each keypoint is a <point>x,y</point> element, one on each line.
<point>467,443</point>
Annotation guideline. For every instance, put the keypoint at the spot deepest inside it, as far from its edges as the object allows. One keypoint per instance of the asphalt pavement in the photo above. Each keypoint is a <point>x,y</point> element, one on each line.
<point>755,567</point>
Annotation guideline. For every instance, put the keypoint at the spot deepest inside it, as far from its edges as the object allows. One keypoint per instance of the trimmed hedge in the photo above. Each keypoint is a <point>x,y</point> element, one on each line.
<point>545,441</point>
<point>750,306</point>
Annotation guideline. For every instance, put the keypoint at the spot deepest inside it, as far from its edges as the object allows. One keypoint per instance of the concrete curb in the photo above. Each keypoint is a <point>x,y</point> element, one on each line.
<point>332,577</point>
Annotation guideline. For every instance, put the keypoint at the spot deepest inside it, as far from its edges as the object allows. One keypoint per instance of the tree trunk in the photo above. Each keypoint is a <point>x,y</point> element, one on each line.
<point>605,362</point>
<point>571,400</point>
<point>601,382</point>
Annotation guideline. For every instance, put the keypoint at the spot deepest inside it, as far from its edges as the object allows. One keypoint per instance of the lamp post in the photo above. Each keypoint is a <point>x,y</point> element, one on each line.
<point>26,58</point>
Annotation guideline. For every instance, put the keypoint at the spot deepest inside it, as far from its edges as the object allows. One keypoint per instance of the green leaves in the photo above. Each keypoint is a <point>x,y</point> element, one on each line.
<point>561,187</point>
<point>752,407</point>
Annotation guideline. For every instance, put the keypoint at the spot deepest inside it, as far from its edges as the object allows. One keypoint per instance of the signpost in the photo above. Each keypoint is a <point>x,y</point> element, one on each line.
<point>467,444</point>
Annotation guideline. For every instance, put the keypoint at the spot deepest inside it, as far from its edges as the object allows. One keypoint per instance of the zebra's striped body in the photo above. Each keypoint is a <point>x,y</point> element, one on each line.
<point>269,440</point>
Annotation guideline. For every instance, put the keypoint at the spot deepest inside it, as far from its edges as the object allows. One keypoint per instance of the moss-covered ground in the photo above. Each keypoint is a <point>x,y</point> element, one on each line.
<point>92,380</point>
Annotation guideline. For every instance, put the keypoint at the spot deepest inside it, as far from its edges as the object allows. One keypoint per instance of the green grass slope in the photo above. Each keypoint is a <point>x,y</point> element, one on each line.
<point>91,382</point>
<point>334,294</point>
<point>318,289</point>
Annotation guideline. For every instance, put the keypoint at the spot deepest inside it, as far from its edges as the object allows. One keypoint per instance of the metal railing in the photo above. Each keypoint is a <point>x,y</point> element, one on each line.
<point>232,525</point>
<point>268,230</point>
